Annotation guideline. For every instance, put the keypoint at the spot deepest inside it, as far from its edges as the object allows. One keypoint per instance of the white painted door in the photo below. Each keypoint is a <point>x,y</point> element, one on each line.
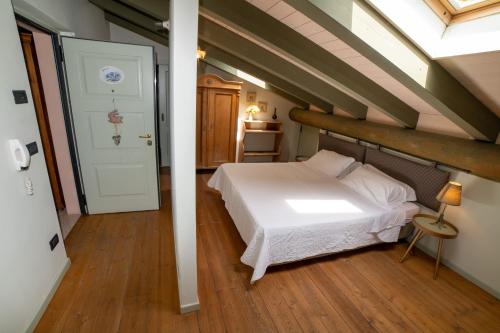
<point>164,122</point>
<point>111,88</point>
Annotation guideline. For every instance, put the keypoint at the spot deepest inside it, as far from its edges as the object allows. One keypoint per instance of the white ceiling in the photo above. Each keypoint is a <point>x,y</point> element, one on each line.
<point>480,74</point>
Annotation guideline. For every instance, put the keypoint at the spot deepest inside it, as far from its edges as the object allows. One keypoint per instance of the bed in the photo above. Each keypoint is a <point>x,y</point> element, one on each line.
<point>286,212</point>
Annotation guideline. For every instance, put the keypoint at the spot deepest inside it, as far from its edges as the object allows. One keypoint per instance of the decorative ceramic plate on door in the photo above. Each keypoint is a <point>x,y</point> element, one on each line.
<point>111,75</point>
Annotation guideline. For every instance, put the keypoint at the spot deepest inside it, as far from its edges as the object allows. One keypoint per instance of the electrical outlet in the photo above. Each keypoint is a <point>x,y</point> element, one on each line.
<point>53,242</point>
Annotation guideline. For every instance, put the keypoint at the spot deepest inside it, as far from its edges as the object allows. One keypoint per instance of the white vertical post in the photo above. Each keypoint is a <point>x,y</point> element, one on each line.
<point>183,43</point>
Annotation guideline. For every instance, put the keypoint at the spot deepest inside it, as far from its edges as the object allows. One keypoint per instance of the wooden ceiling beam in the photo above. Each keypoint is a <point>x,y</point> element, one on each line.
<point>480,158</point>
<point>282,84</point>
<point>134,19</point>
<point>257,56</point>
<point>161,38</point>
<point>252,22</point>
<point>440,89</point>
<point>230,64</point>
<point>128,13</point>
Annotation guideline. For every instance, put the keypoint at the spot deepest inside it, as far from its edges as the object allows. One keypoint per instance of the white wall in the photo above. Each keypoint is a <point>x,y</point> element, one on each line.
<point>283,106</point>
<point>29,270</point>
<point>289,142</point>
<point>183,43</point>
<point>78,16</point>
<point>122,35</point>
<point>475,252</point>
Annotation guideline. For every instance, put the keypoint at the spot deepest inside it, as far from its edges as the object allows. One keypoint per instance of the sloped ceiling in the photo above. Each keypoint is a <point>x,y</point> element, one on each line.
<point>430,119</point>
<point>482,85</point>
<point>480,74</point>
<point>154,8</point>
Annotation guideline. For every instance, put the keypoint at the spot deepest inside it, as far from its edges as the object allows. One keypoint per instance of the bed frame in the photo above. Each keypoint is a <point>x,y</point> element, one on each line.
<point>426,180</point>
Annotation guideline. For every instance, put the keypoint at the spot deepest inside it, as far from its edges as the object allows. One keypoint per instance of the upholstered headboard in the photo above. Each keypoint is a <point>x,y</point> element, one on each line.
<point>343,147</point>
<point>426,180</point>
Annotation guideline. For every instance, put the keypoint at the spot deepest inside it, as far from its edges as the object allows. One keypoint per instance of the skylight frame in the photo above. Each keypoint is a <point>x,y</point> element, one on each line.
<point>467,8</point>
<point>449,14</point>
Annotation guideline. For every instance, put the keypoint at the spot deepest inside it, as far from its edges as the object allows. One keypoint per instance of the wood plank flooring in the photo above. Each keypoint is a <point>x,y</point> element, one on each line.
<point>123,279</point>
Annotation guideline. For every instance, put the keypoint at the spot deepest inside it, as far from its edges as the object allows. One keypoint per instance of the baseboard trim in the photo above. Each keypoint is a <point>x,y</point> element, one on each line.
<point>190,307</point>
<point>45,304</point>
<point>461,272</point>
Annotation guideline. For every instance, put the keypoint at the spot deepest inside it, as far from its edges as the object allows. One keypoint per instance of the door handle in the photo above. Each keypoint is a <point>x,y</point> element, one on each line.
<point>147,136</point>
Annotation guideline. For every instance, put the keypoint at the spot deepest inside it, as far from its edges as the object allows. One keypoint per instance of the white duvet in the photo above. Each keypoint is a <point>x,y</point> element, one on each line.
<point>286,212</point>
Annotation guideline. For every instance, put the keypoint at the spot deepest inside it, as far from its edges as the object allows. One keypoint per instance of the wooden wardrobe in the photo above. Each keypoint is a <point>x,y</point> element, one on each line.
<point>217,102</point>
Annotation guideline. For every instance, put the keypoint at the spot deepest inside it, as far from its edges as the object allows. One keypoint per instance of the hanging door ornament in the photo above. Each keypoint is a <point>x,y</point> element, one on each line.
<point>117,121</point>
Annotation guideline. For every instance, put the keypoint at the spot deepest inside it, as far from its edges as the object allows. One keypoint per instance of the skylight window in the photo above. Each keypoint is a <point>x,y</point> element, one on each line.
<point>460,4</point>
<point>455,11</point>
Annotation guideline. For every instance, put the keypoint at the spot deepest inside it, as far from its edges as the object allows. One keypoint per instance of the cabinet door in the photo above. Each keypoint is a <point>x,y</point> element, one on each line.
<point>222,110</point>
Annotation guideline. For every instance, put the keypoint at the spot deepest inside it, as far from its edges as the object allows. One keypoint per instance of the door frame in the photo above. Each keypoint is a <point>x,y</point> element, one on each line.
<point>160,70</point>
<point>39,101</point>
<point>66,106</point>
<point>56,37</point>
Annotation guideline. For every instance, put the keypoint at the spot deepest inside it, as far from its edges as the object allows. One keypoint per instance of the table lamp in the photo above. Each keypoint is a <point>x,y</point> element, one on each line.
<point>450,194</point>
<point>200,54</point>
<point>251,110</point>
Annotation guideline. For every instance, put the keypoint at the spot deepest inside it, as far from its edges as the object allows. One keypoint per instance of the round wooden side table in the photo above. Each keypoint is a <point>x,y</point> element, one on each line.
<point>426,225</point>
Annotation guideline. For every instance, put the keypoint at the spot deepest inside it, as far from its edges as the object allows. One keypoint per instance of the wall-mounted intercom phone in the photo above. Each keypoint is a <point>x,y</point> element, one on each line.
<point>20,154</point>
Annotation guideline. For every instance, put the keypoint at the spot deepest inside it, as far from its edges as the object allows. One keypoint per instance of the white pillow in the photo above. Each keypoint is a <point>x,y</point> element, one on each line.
<point>349,169</point>
<point>376,187</point>
<point>329,162</point>
<point>410,192</point>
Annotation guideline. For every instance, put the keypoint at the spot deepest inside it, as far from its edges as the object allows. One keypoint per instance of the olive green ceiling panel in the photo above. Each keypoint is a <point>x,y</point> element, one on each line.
<point>255,55</point>
<point>440,89</point>
<point>246,18</point>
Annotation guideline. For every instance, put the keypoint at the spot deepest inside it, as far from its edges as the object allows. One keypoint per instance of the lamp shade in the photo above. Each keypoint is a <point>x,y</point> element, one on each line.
<point>451,194</point>
<point>200,54</point>
<point>252,109</point>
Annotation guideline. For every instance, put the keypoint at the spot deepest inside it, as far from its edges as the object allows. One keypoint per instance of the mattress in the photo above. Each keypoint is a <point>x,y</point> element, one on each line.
<point>286,212</point>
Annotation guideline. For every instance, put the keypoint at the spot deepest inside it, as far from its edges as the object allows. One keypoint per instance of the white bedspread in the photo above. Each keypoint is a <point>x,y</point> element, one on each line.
<point>286,212</point>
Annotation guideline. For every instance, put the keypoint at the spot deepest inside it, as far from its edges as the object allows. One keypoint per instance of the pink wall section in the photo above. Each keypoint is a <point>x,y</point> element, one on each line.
<point>50,83</point>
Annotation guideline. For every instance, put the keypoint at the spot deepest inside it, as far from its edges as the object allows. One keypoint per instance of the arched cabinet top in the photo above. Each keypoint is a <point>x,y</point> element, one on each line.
<point>214,81</point>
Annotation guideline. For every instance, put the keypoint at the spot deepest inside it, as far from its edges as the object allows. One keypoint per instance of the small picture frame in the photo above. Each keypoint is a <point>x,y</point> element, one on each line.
<point>262,106</point>
<point>251,97</point>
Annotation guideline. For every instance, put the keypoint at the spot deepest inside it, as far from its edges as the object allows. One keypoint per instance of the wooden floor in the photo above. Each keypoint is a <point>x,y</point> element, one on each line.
<point>122,279</point>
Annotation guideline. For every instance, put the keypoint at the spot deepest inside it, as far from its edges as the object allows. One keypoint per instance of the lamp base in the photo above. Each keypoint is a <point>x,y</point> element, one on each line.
<point>439,221</point>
